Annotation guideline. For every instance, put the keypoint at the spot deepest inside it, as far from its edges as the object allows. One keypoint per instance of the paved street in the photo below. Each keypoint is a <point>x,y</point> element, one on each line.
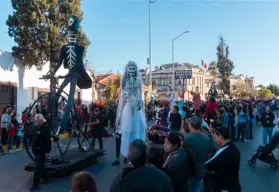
<point>260,178</point>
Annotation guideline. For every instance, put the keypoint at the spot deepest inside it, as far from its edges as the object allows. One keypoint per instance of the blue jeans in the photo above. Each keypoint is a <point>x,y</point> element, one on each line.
<point>72,79</point>
<point>11,142</point>
<point>195,184</point>
<point>267,132</point>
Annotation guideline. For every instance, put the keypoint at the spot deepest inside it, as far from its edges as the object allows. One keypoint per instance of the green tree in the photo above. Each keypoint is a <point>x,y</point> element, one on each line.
<point>224,85</point>
<point>264,92</point>
<point>224,65</point>
<point>212,68</point>
<point>36,27</point>
<point>274,88</point>
<point>112,91</point>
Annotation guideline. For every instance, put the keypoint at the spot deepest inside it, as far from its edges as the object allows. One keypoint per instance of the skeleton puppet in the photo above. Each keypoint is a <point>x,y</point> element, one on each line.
<point>130,119</point>
<point>213,92</point>
<point>196,99</point>
<point>71,58</point>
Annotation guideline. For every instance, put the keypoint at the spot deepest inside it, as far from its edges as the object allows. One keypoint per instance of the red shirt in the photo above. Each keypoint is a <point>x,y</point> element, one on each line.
<point>12,132</point>
<point>211,106</point>
<point>23,117</point>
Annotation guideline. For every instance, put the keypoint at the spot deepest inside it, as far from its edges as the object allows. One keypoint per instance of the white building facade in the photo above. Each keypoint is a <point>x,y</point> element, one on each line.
<point>162,77</point>
<point>28,87</point>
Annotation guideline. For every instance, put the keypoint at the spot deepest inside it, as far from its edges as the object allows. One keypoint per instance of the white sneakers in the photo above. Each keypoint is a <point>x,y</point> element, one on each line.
<point>11,151</point>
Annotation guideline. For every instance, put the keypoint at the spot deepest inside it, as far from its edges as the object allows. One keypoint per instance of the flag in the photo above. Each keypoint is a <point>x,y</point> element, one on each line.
<point>203,64</point>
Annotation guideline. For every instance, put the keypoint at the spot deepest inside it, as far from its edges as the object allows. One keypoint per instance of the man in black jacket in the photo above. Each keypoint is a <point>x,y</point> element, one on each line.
<point>222,170</point>
<point>41,146</point>
<point>267,120</point>
<point>140,177</point>
<point>175,120</point>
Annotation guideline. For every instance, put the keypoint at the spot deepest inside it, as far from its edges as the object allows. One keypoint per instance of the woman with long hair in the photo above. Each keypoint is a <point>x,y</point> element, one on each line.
<point>84,182</point>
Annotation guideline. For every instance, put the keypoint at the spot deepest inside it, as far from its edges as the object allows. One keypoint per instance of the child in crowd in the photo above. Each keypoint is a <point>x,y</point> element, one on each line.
<point>11,135</point>
<point>18,137</point>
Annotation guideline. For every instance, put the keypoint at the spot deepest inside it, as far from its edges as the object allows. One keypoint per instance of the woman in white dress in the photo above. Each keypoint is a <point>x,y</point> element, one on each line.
<point>130,117</point>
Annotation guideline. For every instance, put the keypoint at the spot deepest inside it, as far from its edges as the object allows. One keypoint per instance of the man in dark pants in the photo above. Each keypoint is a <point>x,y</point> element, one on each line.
<point>41,146</point>
<point>117,147</point>
<point>97,128</point>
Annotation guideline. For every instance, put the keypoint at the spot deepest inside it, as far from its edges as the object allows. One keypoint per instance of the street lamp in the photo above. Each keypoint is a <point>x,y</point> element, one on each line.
<point>150,47</point>
<point>173,78</point>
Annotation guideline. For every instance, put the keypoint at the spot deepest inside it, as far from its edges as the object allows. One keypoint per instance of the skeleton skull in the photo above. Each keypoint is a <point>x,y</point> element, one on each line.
<point>71,22</point>
<point>126,95</point>
<point>131,70</point>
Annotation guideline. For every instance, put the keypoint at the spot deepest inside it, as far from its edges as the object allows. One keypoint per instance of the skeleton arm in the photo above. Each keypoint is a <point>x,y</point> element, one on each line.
<point>139,92</point>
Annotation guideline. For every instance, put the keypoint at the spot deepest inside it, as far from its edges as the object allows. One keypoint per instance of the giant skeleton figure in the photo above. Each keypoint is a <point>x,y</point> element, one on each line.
<point>196,99</point>
<point>130,119</point>
<point>71,57</point>
<point>180,104</point>
<point>212,92</point>
<point>171,98</point>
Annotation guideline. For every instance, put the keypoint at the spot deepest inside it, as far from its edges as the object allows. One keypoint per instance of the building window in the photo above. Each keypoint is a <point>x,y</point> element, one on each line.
<point>234,87</point>
<point>157,81</point>
<point>179,82</point>
<point>193,81</point>
<point>5,88</point>
<point>163,81</point>
<point>169,80</point>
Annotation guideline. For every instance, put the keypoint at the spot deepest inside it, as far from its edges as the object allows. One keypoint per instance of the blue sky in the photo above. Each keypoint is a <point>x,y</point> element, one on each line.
<point>118,31</point>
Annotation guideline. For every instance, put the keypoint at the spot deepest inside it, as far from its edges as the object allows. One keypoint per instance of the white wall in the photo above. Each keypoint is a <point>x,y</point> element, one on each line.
<point>11,70</point>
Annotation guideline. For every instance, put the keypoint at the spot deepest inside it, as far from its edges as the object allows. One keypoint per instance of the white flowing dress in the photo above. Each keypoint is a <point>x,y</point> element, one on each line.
<point>133,122</point>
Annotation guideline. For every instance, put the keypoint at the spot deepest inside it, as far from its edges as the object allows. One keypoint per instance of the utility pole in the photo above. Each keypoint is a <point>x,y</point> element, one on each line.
<point>172,49</point>
<point>150,52</point>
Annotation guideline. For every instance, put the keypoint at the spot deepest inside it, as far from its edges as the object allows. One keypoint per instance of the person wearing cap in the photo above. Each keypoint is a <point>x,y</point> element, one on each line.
<point>201,147</point>
<point>175,120</point>
<point>222,170</point>
<point>41,146</point>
